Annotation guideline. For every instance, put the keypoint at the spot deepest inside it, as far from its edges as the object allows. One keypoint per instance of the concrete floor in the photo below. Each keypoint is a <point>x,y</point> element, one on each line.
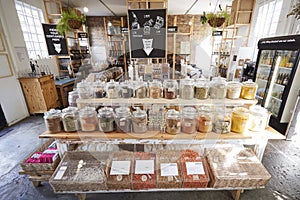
<point>281,159</point>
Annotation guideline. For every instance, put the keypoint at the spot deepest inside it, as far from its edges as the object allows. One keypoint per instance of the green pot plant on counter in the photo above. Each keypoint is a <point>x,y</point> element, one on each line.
<point>69,21</point>
<point>215,20</point>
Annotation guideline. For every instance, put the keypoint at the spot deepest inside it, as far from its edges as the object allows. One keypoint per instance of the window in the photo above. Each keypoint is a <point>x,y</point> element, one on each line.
<point>31,19</point>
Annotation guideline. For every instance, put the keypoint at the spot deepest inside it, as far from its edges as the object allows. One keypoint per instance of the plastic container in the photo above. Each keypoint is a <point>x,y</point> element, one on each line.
<point>88,119</point>
<point>141,90</point>
<point>170,89</point>
<point>70,119</point>
<point>248,90</point>
<point>259,118</point>
<point>201,89</point>
<point>126,90</point>
<point>99,90</point>
<point>186,89</point>
<point>106,120</point>
<point>189,120</point>
<point>240,119</point>
<point>112,89</point>
<point>123,120</point>
<point>83,89</point>
<point>172,122</point>
<point>139,121</point>
<point>233,90</point>
<point>53,120</point>
<point>155,89</point>
<point>205,121</point>
<point>72,97</point>
<point>218,88</point>
<point>222,121</point>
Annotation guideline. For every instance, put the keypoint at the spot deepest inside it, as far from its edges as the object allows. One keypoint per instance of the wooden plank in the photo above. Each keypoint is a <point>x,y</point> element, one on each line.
<point>39,178</point>
<point>39,173</point>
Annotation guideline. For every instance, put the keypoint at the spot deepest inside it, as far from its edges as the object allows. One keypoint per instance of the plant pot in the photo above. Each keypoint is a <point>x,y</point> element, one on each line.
<point>74,23</point>
<point>216,22</point>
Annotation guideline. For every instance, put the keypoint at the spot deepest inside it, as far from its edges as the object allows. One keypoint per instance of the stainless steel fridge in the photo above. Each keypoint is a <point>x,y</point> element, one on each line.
<point>278,78</point>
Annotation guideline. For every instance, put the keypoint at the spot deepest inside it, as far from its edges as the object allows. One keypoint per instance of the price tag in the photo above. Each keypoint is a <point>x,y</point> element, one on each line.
<point>120,168</point>
<point>194,168</point>
<point>144,167</point>
<point>188,124</point>
<point>60,173</point>
<point>169,169</point>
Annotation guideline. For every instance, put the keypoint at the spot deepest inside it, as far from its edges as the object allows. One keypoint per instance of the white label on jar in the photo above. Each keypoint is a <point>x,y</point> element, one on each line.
<point>208,123</point>
<point>187,124</point>
<point>122,122</point>
<point>60,172</point>
<point>103,124</point>
<point>124,90</point>
<point>120,168</point>
<point>169,169</point>
<point>144,167</point>
<point>171,89</point>
<point>194,168</point>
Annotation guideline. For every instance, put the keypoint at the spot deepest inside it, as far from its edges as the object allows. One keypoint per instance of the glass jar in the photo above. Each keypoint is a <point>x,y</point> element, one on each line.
<point>83,89</point>
<point>170,89</point>
<point>201,89</point>
<point>205,120</point>
<point>126,90</point>
<point>186,89</point>
<point>106,120</point>
<point>88,119</point>
<point>99,90</point>
<point>70,119</point>
<point>239,119</point>
<point>139,121</point>
<point>233,90</point>
<point>222,121</point>
<point>155,89</point>
<point>172,122</point>
<point>72,97</point>
<point>141,90</point>
<point>248,90</point>
<point>259,118</point>
<point>53,120</point>
<point>123,120</point>
<point>112,90</point>
<point>189,120</point>
<point>218,88</point>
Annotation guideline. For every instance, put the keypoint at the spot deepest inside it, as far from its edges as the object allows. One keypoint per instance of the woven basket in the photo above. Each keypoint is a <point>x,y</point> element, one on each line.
<point>216,22</point>
<point>74,23</point>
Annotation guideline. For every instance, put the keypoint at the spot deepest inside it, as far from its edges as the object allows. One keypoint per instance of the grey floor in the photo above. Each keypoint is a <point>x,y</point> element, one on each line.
<point>281,159</point>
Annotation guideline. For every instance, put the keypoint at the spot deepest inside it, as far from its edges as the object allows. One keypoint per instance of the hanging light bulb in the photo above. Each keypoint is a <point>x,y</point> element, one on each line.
<point>85,9</point>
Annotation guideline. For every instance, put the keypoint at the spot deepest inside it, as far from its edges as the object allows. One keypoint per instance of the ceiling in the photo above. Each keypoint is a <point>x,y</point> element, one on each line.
<point>96,7</point>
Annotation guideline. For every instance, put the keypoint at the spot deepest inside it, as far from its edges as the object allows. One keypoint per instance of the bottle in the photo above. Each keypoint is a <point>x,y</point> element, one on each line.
<point>285,80</point>
<point>232,68</point>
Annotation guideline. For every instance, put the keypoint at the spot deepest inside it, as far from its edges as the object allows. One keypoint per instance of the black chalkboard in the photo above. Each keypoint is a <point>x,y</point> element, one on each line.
<point>82,35</point>
<point>56,43</point>
<point>147,30</point>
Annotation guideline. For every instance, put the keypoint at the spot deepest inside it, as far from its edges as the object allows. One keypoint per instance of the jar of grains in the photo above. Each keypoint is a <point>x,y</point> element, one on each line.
<point>248,90</point>
<point>83,89</point>
<point>141,89</point>
<point>112,89</point>
<point>170,89</point>
<point>88,119</point>
<point>123,120</point>
<point>186,88</point>
<point>239,119</point>
<point>259,118</point>
<point>205,120</point>
<point>126,90</point>
<point>172,122</point>
<point>106,119</point>
<point>233,90</point>
<point>217,88</point>
<point>53,120</point>
<point>99,90</point>
<point>70,119</point>
<point>222,120</point>
<point>72,97</point>
<point>189,120</point>
<point>155,89</point>
<point>201,89</point>
<point>139,121</point>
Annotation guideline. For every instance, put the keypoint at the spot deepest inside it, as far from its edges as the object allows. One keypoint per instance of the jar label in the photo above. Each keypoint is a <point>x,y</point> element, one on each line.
<point>188,124</point>
<point>208,123</point>
<point>169,169</point>
<point>103,124</point>
<point>171,89</point>
<point>120,168</point>
<point>124,90</point>
<point>194,168</point>
<point>144,167</point>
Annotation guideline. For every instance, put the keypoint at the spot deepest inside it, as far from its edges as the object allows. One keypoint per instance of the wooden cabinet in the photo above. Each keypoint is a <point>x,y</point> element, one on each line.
<point>63,87</point>
<point>40,93</point>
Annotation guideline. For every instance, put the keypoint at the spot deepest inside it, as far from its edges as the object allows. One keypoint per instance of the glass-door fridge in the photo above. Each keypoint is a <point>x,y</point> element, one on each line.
<point>278,78</point>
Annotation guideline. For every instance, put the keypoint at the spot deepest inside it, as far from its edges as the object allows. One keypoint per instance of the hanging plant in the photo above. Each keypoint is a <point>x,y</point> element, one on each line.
<point>295,11</point>
<point>215,19</point>
<point>70,20</point>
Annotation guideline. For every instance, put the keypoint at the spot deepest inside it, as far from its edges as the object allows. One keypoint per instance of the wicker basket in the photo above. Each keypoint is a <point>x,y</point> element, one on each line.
<point>216,22</point>
<point>74,23</point>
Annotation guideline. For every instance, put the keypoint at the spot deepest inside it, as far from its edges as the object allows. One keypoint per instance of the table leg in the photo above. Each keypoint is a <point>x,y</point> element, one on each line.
<point>236,194</point>
<point>81,196</point>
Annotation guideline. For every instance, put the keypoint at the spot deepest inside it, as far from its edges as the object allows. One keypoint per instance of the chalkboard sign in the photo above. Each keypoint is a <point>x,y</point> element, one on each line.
<point>82,35</point>
<point>217,33</point>
<point>56,43</point>
<point>172,29</point>
<point>147,30</point>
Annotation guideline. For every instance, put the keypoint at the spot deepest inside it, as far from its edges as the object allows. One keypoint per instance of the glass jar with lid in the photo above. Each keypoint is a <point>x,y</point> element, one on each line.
<point>240,119</point>
<point>201,88</point>
<point>170,89</point>
<point>172,122</point>
<point>99,90</point>
<point>83,89</point>
<point>123,120</point>
<point>72,97</point>
<point>217,88</point>
<point>53,120</point>
<point>70,119</point>
<point>126,90</point>
<point>186,88</point>
<point>259,118</point>
<point>222,120</point>
<point>88,119</point>
<point>155,89</point>
<point>141,89</point>
<point>139,121</point>
<point>189,120</point>
<point>248,90</point>
<point>112,89</point>
<point>205,120</point>
<point>233,90</point>
<point>106,119</point>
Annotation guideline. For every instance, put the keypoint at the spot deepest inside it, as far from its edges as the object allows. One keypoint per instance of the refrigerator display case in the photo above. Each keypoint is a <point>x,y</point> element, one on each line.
<point>277,76</point>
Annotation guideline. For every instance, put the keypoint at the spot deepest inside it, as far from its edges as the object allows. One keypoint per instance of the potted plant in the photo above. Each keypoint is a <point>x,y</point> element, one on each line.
<point>295,11</point>
<point>215,19</point>
<point>69,20</point>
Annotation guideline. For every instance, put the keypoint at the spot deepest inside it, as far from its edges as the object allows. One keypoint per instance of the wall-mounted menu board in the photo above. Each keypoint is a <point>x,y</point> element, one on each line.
<point>147,30</point>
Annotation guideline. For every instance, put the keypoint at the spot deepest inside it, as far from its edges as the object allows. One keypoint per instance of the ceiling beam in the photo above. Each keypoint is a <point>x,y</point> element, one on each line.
<point>188,10</point>
<point>104,4</point>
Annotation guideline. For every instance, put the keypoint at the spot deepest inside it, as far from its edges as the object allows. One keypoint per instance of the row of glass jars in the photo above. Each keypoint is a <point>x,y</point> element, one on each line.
<point>218,88</point>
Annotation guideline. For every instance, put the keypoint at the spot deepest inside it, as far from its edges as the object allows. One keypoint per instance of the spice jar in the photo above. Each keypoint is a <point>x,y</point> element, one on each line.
<point>139,121</point>
<point>123,120</point>
<point>259,118</point>
<point>248,90</point>
<point>141,90</point>
<point>205,120</point>
<point>222,121</point>
<point>201,89</point>
<point>106,120</point>
<point>99,90</point>
<point>218,88</point>
<point>72,97</point>
<point>88,119</point>
<point>239,119</point>
<point>70,119</point>
<point>155,89</point>
<point>53,120</point>
<point>233,90</point>
<point>126,90</point>
<point>189,120</point>
<point>170,89</point>
<point>172,122</point>
<point>112,89</point>
<point>186,89</point>
<point>83,89</point>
